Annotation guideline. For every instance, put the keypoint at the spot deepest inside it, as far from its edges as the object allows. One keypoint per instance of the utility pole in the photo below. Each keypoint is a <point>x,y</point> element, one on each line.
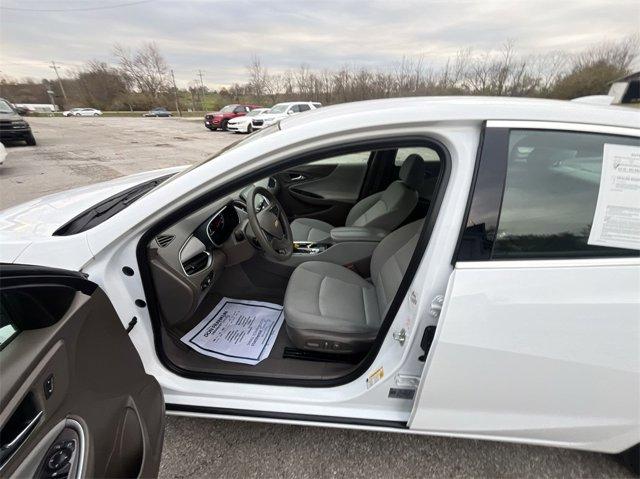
<point>55,68</point>
<point>193,99</point>
<point>202,88</point>
<point>175,93</point>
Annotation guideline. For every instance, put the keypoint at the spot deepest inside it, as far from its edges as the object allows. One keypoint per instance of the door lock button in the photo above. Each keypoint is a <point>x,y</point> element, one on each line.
<point>48,386</point>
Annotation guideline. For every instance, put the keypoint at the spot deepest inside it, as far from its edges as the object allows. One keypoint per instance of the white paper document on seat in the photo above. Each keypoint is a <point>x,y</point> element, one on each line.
<point>238,331</point>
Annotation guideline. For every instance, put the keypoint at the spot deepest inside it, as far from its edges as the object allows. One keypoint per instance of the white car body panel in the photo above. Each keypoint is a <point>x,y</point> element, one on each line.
<point>82,112</point>
<point>241,123</point>
<point>501,384</point>
<point>36,220</point>
<point>554,359</point>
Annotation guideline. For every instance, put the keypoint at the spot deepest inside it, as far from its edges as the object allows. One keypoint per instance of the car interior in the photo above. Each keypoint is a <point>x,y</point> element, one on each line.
<point>328,241</point>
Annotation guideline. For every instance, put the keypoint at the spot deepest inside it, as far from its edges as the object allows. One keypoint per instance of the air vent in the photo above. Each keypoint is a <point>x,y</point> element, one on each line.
<point>164,240</point>
<point>197,263</point>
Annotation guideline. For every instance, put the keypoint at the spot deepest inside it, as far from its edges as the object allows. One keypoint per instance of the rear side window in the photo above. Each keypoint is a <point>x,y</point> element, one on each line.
<point>551,193</point>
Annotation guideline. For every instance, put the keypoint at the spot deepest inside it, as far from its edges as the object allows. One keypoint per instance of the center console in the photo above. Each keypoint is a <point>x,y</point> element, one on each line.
<point>347,245</point>
<point>309,247</point>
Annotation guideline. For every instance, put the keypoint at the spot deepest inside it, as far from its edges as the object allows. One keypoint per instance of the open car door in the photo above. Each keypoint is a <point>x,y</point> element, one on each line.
<point>75,400</point>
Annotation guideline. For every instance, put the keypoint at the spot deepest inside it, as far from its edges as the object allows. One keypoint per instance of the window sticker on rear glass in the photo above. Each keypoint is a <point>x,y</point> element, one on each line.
<point>616,222</point>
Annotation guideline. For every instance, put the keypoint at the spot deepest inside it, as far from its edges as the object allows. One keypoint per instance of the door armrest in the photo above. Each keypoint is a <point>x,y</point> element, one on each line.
<point>357,233</point>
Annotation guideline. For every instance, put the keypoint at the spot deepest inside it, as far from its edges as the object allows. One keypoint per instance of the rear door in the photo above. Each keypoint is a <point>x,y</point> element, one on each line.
<point>325,189</point>
<point>75,400</point>
<point>539,337</point>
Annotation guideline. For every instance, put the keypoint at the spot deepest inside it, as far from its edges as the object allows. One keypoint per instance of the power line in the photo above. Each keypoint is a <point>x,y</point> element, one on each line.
<point>81,9</point>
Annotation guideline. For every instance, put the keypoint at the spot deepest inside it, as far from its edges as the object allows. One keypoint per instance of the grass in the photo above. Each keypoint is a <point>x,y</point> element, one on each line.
<point>185,114</point>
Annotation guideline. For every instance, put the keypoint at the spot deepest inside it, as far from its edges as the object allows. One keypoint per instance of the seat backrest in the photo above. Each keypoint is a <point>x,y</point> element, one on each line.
<point>390,261</point>
<point>389,208</point>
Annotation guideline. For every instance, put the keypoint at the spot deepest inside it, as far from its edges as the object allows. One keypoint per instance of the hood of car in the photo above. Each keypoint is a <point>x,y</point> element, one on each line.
<point>270,116</point>
<point>10,116</point>
<point>40,218</point>
<point>241,119</point>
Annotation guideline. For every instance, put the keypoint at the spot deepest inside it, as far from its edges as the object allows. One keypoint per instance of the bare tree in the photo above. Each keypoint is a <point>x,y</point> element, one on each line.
<point>258,77</point>
<point>100,85</point>
<point>146,69</point>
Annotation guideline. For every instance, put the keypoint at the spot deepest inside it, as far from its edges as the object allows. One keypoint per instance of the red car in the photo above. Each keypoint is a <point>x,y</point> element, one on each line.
<point>219,119</point>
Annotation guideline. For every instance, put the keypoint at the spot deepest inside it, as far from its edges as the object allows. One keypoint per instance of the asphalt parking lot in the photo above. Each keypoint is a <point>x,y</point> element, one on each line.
<point>79,151</point>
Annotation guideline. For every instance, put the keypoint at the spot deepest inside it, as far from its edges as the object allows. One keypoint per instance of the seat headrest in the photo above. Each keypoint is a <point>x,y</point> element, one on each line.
<point>412,171</point>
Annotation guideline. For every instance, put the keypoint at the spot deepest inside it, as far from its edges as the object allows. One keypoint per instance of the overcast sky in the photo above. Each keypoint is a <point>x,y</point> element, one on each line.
<point>219,36</point>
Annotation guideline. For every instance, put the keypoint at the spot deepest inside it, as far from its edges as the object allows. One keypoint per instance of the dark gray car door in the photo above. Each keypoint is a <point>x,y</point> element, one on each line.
<point>75,400</point>
<point>325,190</point>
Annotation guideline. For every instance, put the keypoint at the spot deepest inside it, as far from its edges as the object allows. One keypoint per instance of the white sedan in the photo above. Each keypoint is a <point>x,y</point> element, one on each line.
<point>242,124</point>
<point>280,111</point>
<point>462,267</point>
<point>82,112</point>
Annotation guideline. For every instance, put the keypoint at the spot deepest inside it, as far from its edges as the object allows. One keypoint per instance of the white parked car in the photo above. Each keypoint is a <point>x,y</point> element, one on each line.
<point>242,124</point>
<point>82,112</point>
<point>466,267</point>
<point>281,111</point>
<point>3,154</point>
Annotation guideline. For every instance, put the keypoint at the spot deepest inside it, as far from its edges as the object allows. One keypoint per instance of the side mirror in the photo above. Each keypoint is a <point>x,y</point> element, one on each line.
<point>290,112</point>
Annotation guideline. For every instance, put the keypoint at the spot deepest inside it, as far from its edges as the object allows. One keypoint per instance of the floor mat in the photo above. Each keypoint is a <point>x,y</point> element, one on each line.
<point>239,331</point>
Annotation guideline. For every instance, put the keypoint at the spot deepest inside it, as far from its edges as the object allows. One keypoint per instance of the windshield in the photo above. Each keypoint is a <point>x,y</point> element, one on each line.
<point>5,107</point>
<point>243,141</point>
<point>228,109</point>
<point>280,108</point>
<point>256,112</point>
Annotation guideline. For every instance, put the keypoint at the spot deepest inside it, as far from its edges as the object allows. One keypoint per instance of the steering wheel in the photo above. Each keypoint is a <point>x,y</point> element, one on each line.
<point>270,224</point>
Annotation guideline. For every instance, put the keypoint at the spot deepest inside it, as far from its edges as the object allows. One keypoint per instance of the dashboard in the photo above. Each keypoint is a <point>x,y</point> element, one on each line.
<point>222,224</point>
<point>187,258</point>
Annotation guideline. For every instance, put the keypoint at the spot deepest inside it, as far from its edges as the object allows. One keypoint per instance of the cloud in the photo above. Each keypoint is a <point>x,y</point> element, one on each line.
<point>220,36</point>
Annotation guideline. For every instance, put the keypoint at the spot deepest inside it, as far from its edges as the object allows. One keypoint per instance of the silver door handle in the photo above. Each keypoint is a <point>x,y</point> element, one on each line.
<point>298,178</point>
<point>7,450</point>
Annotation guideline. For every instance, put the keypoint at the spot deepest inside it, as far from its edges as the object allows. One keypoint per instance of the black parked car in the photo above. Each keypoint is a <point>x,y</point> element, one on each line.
<point>12,126</point>
<point>160,111</point>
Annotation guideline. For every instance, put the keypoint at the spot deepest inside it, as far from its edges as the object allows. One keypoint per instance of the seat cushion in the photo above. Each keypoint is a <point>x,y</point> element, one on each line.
<point>325,297</point>
<point>308,229</point>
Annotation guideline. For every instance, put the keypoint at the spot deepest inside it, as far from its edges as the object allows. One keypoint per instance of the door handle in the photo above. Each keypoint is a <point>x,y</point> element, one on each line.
<point>7,450</point>
<point>297,178</point>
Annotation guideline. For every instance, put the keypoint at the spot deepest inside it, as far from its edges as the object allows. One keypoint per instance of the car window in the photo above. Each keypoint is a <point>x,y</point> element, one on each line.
<point>5,107</point>
<point>349,159</point>
<point>550,196</point>
<point>295,108</point>
<point>8,330</point>
<point>280,108</point>
<point>302,108</point>
<point>428,155</point>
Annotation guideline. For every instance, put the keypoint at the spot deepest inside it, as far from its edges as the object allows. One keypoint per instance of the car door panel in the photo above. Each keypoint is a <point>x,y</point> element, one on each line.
<point>72,364</point>
<point>325,191</point>
<point>556,361</point>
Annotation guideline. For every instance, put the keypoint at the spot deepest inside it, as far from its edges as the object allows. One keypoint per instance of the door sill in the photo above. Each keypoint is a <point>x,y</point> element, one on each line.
<point>282,417</point>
